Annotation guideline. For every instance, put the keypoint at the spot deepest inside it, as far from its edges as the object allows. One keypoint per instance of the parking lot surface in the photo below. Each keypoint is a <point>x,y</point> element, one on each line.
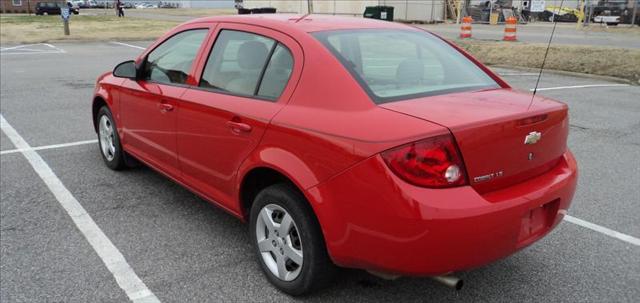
<point>186,250</point>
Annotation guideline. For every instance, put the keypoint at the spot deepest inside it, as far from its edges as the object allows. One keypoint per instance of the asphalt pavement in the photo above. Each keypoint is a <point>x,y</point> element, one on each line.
<point>186,250</point>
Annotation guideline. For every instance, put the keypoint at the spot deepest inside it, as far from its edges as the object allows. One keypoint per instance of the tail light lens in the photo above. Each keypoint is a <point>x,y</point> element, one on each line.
<point>433,162</point>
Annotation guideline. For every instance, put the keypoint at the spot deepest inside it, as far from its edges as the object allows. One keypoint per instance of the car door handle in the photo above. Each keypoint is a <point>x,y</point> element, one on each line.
<point>239,126</point>
<point>165,107</point>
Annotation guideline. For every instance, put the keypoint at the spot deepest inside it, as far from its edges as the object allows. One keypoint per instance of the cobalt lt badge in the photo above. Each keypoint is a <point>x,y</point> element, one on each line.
<point>532,138</point>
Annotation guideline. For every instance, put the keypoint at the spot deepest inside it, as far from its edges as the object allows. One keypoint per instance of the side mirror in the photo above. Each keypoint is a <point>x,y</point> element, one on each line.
<point>126,69</point>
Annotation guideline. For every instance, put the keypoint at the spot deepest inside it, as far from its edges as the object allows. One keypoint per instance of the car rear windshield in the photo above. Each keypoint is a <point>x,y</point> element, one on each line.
<point>394,65</point>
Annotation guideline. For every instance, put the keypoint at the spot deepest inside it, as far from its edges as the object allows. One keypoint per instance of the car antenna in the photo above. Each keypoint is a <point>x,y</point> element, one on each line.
<point>301,18</point>
<point>546,52</point>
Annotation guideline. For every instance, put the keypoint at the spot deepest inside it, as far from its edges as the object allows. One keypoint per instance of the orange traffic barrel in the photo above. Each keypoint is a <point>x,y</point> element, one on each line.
<point>465,29</point>
<point>510,29</point>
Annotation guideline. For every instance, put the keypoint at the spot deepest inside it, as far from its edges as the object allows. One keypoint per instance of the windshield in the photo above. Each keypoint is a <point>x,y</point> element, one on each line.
<point>396,65</point>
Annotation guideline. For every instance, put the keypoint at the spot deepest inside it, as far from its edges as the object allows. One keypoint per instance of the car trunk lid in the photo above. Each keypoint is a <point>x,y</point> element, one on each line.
<point>504,136</point>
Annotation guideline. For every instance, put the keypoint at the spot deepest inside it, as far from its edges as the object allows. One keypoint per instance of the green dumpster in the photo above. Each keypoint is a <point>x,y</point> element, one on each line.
<point>379,12</point>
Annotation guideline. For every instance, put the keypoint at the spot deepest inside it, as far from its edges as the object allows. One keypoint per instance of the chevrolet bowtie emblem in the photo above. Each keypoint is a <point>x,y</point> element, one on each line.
<point>532,138</point>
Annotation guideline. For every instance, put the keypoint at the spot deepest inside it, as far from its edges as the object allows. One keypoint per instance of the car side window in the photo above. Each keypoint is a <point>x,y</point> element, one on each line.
<point>277,73</point>
<point>247,64</point>
<point>171,62</point>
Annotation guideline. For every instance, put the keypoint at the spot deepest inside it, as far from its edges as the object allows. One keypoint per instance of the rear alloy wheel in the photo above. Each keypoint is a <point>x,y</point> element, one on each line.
<point>279,242</point>
<point>288,241</point>
<point>109,141</point>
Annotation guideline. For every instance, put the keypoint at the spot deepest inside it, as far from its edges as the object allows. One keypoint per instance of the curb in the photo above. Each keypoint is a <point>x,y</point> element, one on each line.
<point>567,73</point>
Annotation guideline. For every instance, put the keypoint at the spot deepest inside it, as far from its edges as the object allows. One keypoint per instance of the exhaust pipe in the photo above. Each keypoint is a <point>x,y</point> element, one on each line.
<point>450,281</point>
<point>382,275</point>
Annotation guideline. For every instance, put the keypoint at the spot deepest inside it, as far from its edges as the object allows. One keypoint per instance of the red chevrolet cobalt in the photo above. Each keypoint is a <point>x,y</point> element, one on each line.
<point>343,142</point>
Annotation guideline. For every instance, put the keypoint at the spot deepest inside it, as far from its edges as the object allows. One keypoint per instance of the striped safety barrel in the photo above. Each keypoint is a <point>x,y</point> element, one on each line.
<point>465,29</point>
<point>510,29</point>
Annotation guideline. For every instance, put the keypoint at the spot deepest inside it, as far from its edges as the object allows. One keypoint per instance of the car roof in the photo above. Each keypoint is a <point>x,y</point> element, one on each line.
<point>306,23</point>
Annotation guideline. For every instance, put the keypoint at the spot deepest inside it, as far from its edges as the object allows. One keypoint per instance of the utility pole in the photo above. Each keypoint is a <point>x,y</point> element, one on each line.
<point>581,4</point>
<point>587,13</point>
<point>66,27</point>
<point>310,6</point>
<point>635,12</point>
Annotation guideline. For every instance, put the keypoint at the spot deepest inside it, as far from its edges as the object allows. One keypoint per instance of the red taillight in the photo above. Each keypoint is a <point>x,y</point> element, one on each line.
<point>433,162</point>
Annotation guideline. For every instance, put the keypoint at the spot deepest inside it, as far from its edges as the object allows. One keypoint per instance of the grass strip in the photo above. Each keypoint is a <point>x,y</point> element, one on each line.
<point>604,61</point>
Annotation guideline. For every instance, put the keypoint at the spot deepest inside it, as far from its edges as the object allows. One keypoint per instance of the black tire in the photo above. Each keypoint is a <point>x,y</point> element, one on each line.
<point>117,162</point>
<point>317,269</point>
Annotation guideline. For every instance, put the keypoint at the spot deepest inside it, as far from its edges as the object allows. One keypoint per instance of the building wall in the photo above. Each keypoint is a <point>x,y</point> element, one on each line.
<point>419,10</point>
<point>207,3</point>
<point>518,3</point>
<point>9,6</point>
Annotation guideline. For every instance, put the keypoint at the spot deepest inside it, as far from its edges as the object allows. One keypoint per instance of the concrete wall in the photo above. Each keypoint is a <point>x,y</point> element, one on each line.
<point>201,3</point>
<point>208,3</point>
<point>421,10</point>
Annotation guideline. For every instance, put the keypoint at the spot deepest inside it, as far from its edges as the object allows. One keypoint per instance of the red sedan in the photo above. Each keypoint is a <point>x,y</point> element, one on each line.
<point>343,142</point>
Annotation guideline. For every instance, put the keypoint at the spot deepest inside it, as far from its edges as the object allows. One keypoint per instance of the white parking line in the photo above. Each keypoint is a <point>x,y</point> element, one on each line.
<point>113,259</point>
<point>25,49</point>
<point>129,45</point>
<point>603,230</point>
<point>31,53</point>
<point>55,47</point>
<point>11,151</point>
<point>14,47</point>
<point>578,86</point>
<point>517,74</point>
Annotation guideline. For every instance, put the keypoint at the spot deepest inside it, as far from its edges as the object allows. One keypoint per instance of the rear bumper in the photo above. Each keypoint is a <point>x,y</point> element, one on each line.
<point>373,220</point>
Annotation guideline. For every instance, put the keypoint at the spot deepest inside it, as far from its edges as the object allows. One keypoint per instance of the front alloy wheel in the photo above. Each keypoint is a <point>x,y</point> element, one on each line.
<point>105,132</point>
<point>108,139</point>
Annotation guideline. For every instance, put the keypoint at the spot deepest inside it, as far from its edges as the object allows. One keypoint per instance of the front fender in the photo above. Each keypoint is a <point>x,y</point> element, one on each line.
<point>105,91</point>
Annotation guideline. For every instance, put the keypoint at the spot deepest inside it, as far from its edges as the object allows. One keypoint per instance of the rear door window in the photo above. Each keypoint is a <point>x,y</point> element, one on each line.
<point>277,73</point>
<point>247,64</point>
